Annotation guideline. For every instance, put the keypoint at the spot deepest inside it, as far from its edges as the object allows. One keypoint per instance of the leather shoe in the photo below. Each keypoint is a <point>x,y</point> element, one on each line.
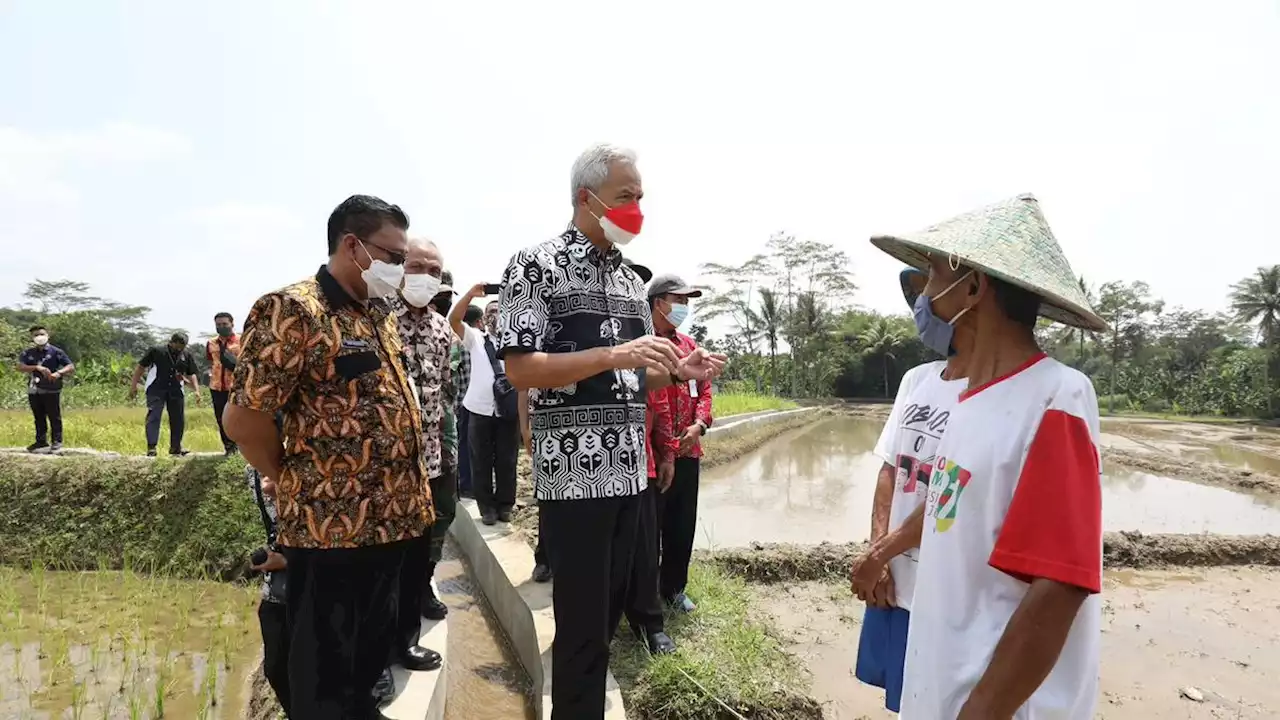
<point>541,573</point>
<point>433,609</point>
<point>504,516</point>
<point>660,644</point>
<point>488,517</point>
<point>385,689</point>
<point>418,658</point>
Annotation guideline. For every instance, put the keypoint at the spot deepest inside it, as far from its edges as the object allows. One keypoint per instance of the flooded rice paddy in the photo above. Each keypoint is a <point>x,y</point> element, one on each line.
<point>79,645</point>
<point>816,484</point>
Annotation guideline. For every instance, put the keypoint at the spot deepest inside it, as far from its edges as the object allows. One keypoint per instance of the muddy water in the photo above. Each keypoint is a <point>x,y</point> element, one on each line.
<point>815,485</point>
<point>485,679</point>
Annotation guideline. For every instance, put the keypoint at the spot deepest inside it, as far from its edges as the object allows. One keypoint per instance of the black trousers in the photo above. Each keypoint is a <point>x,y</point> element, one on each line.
<point>444,498</point>
<point>464,451</point>
<point>644,606</point>
<point>494,443</point>
<point>540,551</point>
<point>220,398</point>
<point>678,519</point>
<point>175,403</point>
<point>591,544</point>
<point>47,411</point>
<point>342,607</point>
<point>273,621</point>
<point>415,577</point>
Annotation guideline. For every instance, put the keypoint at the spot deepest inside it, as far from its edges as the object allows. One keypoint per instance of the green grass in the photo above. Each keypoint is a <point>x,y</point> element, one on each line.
<point>117,429</point>
<point>725,649</point>
<point>726,404</point>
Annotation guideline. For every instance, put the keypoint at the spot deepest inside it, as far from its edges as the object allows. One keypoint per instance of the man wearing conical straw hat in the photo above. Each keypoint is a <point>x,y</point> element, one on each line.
<point>1006,616</point>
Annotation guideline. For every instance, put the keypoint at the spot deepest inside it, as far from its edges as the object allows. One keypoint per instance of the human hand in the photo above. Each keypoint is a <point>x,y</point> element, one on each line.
<point>44,371</point>
<point>645,352</point>
<point>268,487</point>
<point>666,473</point>
<point>528,445</point>
<point>885,594</point>
<point>701,365</point>
<point>865,575</point>
<point>476,291</point>
<point>690,436</point>
<point>275,561</point>
<point>133,392</point>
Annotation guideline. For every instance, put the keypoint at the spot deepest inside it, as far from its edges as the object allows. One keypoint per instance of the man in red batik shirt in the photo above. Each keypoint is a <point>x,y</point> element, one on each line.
<point>690,404</point>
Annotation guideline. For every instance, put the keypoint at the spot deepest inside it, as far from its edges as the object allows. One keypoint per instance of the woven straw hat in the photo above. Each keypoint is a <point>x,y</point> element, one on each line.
<point>1010,240</point>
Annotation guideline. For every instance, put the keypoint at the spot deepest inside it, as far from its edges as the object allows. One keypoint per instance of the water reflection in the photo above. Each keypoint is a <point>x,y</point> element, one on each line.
<point>816,485</point>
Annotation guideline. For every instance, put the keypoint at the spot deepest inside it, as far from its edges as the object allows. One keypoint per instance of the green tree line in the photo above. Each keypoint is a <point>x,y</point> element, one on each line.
<point>793,330</point>
<point>104,338</point>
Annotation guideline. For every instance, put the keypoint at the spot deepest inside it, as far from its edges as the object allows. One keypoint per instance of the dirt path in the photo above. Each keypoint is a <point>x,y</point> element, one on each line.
<point>1214,632</point>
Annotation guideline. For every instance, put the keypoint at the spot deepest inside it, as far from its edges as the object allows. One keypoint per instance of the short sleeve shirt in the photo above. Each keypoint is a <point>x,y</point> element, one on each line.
<point>333,368</point>
<point>910,437</point>
<point>1015,495</point>
<point>427,337</point>
<point>567,296</point>
<point>165,369</point>
<point>50,357</point>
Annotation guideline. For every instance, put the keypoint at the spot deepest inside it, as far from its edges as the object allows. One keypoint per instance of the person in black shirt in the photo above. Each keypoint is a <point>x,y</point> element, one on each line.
<point>46,364</point>
<point>167,367</point>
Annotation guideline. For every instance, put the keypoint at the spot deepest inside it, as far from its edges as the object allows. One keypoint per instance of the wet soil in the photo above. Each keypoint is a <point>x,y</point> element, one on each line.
<point>1168,637</point>
<point>777,562</point>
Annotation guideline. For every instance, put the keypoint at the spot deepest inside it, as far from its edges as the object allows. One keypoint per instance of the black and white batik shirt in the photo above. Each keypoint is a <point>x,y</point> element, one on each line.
<point>566,296</point>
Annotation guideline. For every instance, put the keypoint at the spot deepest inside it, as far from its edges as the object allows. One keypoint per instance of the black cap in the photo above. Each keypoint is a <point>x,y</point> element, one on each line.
<point>645,273</point>
<point>672,285</point>
<point>913,282</point>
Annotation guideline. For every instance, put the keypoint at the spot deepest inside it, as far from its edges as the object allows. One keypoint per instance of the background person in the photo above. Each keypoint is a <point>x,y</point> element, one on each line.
<point>644,601</point>
<point>221,352</point>
<point>46,365</point>
<point>426,338</point>
<point>351,487</point>
<point>167,368</point>
<point>493,433</point>
<point>460,363</point>
<point>272,612</point>
<point>690,404</point>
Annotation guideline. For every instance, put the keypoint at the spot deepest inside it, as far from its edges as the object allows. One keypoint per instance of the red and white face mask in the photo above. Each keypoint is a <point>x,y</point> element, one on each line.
<point>620,224</point>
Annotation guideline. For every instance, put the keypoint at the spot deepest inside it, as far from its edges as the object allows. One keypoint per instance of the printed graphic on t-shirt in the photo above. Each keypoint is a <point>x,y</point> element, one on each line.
<point>948,482</point>
<point>922,426</point>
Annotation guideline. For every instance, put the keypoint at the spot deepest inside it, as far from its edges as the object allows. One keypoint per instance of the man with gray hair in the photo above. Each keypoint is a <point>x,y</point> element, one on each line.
<point>576,331</point>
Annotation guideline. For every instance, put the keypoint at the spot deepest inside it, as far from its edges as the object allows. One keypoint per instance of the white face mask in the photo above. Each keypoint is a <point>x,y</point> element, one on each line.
<point>40,340</point>
<point>419,289</point>
<point>381,278</point>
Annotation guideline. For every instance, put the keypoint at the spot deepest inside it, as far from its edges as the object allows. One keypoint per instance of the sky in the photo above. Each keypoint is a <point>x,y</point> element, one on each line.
<point>186,156</point>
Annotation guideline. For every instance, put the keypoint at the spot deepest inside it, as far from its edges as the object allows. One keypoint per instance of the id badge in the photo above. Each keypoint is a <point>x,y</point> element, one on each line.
<point>693,388</point>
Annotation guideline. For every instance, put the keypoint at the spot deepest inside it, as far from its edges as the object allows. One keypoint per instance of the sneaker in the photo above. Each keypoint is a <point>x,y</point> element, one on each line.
<point>39,448</point>
<point>682,603</point>
<point>542,573</point>
<point>151,452</point>
<point>179,452</point>
<point>56,447</point>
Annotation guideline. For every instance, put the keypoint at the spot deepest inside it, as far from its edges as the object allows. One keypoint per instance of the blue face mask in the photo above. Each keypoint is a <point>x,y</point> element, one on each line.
<point>677,314</point>
<point>935,332</point>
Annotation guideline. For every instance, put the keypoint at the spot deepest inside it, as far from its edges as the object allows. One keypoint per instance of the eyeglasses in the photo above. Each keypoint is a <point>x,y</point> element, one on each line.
<point>393,257</point>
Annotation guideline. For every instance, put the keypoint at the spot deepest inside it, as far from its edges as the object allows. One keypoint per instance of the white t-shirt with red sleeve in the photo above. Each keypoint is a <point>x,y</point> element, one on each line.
<point>1016,494</point>
<point>908,442</point>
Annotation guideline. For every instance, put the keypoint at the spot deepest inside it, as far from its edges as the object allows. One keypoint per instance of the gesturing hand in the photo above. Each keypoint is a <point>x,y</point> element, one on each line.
<point>701,365</point>
<point>690,436</point>
<point>666,473</point>
<point>644,352</point>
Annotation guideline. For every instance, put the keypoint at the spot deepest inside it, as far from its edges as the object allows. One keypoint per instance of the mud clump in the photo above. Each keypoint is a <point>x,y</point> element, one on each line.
<point>1139,551</point>
<point>262,703</point>
<point>775,563</point>
<point>1195,471</point>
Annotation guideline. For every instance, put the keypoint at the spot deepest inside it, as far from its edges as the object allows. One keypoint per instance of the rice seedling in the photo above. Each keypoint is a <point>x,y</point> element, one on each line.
<point>79,700</point>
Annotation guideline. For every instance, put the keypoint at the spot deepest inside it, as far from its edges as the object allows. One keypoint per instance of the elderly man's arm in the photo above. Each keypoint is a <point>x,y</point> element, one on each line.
<point>272,360</point>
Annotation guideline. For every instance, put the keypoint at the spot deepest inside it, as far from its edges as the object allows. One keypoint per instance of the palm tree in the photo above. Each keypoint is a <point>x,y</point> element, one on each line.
<point>882,338</point>
<point>770,319</point>
<point>1256,299</point>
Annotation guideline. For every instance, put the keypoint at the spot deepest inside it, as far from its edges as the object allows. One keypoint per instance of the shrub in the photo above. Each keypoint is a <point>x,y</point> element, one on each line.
<point>188,517</point>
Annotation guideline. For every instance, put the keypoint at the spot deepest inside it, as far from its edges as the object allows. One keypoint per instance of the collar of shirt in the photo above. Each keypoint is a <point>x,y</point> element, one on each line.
<point>339,299</point>
<point>580,247</point>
